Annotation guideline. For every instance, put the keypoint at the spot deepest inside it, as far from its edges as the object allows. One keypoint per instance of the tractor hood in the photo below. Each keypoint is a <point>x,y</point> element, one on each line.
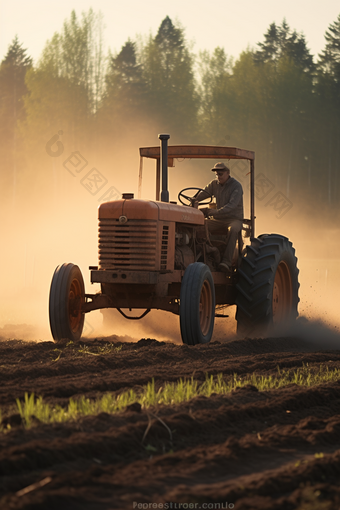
<point>150,210</point>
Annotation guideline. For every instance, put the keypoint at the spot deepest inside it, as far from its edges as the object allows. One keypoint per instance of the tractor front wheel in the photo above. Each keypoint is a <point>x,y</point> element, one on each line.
<point>267,289</point>
<point>197,304</point>
<point>67,295</point>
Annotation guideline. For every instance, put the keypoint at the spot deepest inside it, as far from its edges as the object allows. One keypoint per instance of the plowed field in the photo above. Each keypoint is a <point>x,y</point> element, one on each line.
<point>249,449</point>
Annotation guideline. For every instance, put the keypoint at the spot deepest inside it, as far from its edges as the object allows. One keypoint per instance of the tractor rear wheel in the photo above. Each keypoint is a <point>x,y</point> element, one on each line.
<point>267,289</point>
<point>197,304</point>
<point>67,294</point>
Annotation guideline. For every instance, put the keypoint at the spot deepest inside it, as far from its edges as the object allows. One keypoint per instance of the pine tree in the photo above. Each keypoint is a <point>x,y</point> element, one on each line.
<point>169,75</point>
<point>282,42</point>
<point>13,70</point>
<point>124,104</point>
<point>328,93</point>
<point>329,60</point>
<point>125,87</point>
<point>287,72</point>
<point>270,48</point>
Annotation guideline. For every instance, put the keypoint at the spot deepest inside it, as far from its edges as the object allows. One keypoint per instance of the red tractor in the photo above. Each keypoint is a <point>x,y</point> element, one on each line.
<point>155,254</point>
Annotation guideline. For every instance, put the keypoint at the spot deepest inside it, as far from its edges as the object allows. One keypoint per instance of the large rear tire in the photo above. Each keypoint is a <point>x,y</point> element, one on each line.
<point>67,294</point>
<point>267,289</point>
<point>197,304</point>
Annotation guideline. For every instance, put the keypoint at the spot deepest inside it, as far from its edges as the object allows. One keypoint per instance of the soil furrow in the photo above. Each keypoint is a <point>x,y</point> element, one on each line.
<point>274,449</point>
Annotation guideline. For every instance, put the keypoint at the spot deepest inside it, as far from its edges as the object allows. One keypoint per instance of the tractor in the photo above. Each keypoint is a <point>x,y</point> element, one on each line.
<point>156,254</point>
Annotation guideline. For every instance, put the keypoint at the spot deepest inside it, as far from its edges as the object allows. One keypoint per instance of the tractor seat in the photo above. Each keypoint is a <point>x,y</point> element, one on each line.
<point>246,224</point>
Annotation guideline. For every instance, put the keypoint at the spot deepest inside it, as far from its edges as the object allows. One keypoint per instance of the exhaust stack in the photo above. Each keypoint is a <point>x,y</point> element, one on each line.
<point>164,165</point>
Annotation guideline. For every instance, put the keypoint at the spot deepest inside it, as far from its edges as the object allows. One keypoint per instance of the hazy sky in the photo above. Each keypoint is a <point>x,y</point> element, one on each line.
<point>208,23</point>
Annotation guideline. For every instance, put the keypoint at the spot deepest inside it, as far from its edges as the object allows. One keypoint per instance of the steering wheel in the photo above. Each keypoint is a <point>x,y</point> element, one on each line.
<point>189,199</point>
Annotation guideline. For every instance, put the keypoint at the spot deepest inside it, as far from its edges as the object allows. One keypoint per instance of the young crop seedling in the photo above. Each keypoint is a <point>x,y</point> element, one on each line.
<point>34,409</point>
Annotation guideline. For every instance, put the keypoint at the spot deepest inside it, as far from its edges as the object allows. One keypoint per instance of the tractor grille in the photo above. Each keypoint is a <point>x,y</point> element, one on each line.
<point>130,245</point>
<point>164,249</point>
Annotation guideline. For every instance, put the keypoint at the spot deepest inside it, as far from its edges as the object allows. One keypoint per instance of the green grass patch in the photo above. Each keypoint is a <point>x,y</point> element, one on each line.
<point>170,393</point>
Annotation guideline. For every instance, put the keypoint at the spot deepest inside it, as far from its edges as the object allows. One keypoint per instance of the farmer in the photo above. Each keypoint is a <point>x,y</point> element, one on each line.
<point>229,209</point>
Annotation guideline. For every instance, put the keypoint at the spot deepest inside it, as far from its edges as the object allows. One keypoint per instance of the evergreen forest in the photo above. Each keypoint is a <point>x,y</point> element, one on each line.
<point>276,99</point>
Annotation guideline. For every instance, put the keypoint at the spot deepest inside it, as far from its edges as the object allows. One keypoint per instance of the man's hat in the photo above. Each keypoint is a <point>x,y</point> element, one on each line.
<point>220,166</point>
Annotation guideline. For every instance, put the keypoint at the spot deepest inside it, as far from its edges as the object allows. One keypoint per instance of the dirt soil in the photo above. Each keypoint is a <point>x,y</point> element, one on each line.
<point>248,450</point>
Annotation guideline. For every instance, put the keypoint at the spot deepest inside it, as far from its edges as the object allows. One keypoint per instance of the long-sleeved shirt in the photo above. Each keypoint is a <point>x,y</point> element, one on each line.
<point>229,198</point>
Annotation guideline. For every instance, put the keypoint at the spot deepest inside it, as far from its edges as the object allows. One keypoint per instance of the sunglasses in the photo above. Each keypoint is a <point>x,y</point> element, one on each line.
<point>222,172</point>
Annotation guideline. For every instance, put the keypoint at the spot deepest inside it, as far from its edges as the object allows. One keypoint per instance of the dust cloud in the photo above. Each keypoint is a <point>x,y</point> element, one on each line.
<point>314,332</point>
<point>51,218</point>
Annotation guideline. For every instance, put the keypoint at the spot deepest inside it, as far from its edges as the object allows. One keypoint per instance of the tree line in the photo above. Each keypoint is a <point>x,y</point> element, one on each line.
<point>277,99</point>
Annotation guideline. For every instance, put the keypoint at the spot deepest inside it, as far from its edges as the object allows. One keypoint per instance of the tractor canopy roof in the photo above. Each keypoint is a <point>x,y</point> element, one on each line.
<point>197,151</point>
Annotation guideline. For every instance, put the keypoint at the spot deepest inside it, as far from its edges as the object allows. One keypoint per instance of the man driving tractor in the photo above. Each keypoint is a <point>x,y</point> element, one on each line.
<point>229,210</point>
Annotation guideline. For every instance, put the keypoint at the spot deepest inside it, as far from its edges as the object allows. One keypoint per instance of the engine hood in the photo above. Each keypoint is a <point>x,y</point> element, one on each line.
<point>150,210</point>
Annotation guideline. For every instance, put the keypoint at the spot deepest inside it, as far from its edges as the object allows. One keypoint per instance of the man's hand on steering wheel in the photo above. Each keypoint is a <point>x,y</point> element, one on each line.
<point>193,202</point>
<point>208,212</point>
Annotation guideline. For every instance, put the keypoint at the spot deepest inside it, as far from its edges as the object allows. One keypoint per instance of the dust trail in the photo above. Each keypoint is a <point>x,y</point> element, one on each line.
<point>20,332</point>
<point>313,332</point>
<point>163,326</point>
